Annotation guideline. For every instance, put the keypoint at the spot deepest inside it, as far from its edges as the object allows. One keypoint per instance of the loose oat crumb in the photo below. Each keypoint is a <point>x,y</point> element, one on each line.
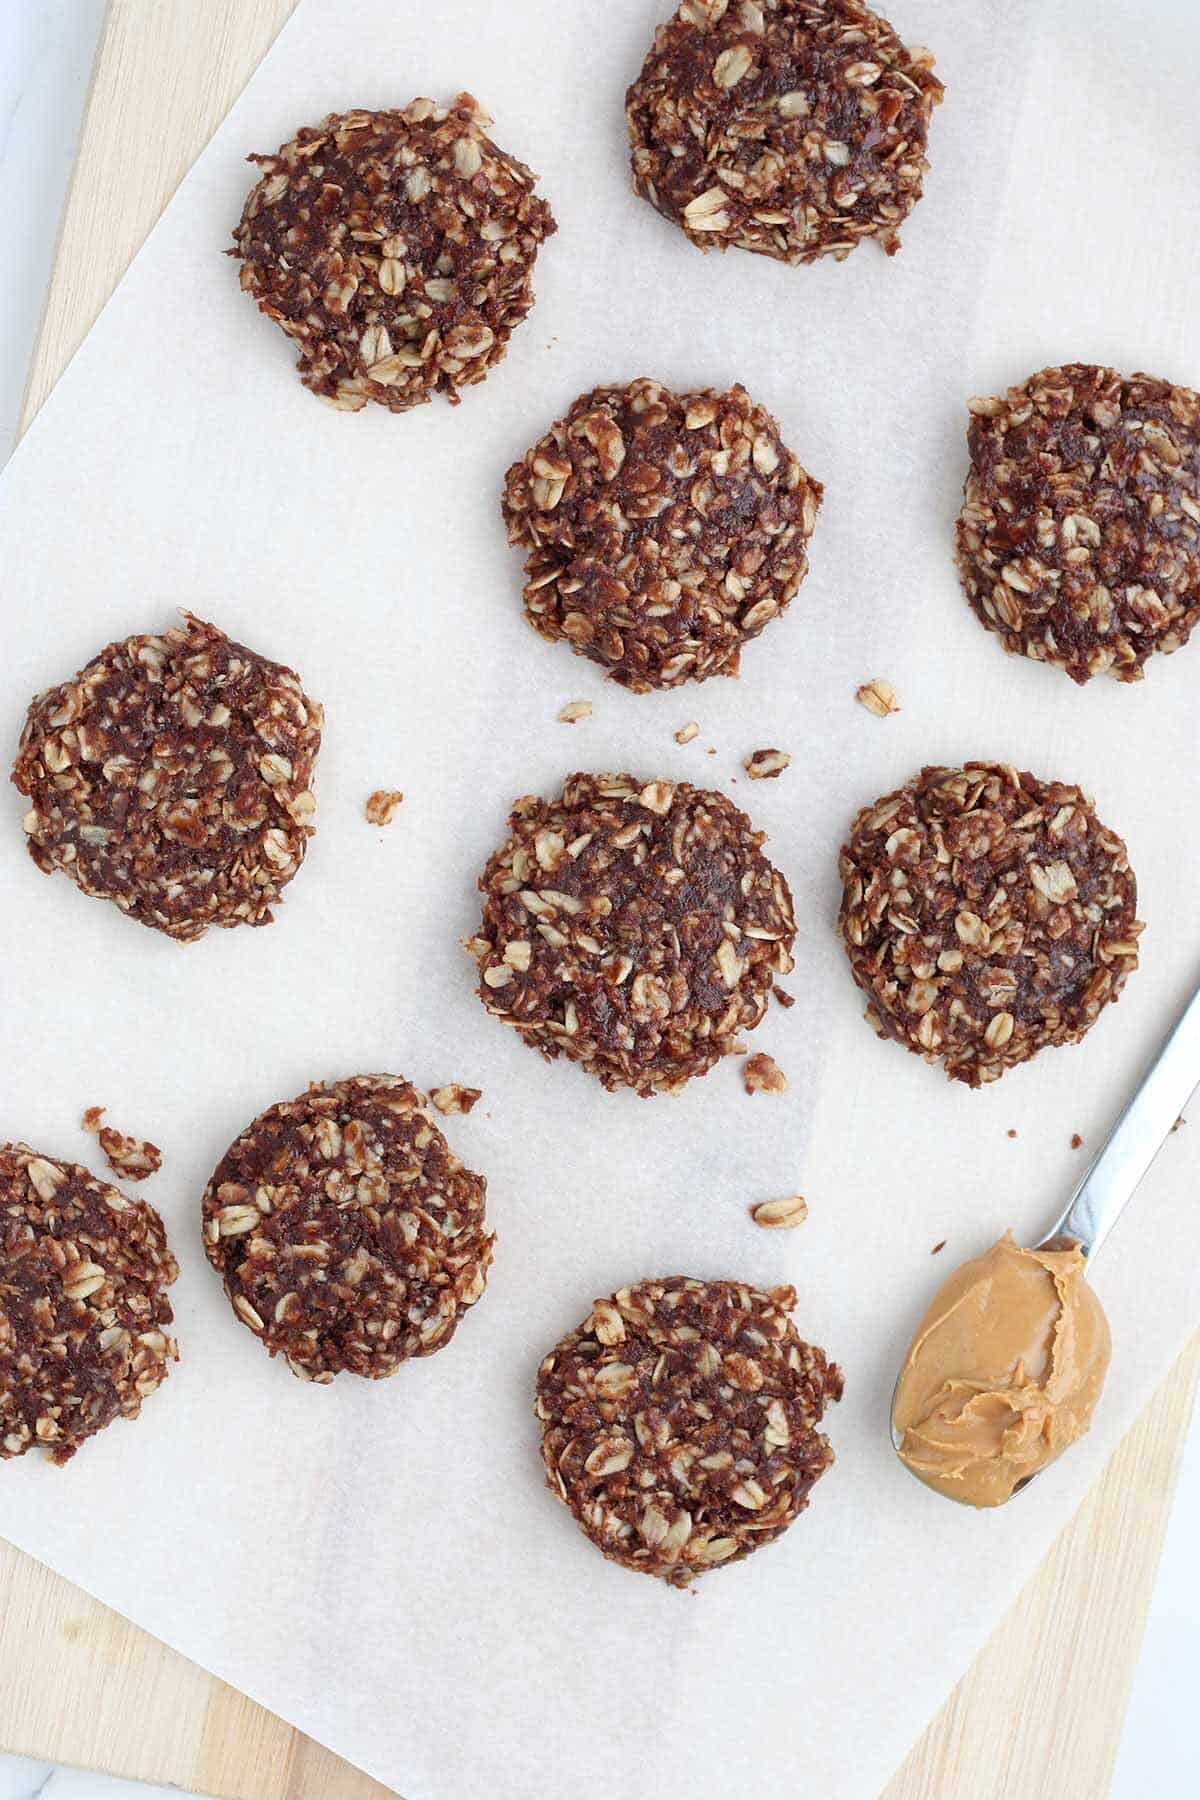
<point>130,1157</point>
<point>766,765</point>
<point>1180,1121</point>
<point>780,1215</point>
<point>133,1158</point>
<point>878,696</point>
<point>761,1074</point>
<point>687,732</point>
<point>783,997</point>
<point>1076,1140</point>
<point>938,1247</point>
<point>574,711</point>
<point>454,1098</point>
<point>383,805</point>
<point>1011,1132</point>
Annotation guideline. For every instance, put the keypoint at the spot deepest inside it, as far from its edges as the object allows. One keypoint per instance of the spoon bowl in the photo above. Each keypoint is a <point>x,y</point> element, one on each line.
<point>1109,1183</point>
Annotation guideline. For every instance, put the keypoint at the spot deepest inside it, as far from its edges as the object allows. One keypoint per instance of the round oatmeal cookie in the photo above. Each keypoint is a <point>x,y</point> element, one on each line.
<point>793,128</point>
<point>396,249</point>
<point>173,776</point>
<point>1079,537</point>
<point>347,1233</point>
<point>664,530</point>
<point>636,928</point>
<point>987,914</point>
<point>679,1423</point>
<point>83,1307</point>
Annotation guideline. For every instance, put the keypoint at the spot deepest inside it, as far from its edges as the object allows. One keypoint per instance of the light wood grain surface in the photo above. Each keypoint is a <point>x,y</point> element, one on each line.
<point>1037,1717</point>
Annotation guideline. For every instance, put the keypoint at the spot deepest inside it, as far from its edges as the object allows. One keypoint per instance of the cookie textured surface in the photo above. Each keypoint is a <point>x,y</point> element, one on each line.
<point>348,1234</point>
<point>663,530</point>
<point>1079,537</point>
<point>987,914</point>
<point>396,249</point>
<point>83,1307</point>
<point>173,776</point>
<point>634,927</point>
<point>794,128</point>
<point>679,1423</point>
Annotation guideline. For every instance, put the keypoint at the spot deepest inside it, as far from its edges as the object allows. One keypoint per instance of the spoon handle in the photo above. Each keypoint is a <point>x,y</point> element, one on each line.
<point>1135,1139</point>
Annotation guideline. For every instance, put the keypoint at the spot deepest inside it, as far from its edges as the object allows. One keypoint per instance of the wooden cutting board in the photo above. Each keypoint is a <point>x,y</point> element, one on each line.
<point>1037,1717</point>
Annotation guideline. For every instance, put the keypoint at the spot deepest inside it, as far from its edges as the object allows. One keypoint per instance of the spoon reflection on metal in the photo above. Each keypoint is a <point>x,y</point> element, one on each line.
<point>1105,1189</point>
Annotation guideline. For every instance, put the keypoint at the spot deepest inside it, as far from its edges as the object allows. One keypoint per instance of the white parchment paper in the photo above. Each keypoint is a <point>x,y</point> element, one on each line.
<point>381,1564</point>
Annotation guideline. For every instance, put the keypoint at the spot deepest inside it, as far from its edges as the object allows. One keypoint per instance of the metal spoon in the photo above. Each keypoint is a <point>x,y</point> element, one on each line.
<point>1127,1153</point>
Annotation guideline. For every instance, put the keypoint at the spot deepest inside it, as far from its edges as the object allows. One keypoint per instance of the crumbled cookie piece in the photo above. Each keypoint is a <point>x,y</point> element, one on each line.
<point>783,997</point>
<point>987,914</point>
<point>793,128</point>
<point>878,696</point>
<point>383,805</point>
<point>347,1233</point>
<point>766,765</point>
<point>663,530</point>
<point>687,732</point>
<point>83,1306</point>
<point>454,1098</point>
<point>633,927</point>
<point>761,1074</point>
<point>1079,536</point>
<point>1076,1141</point>
<point>173,776</point>
<point>780,1215</point>
<point>92,1116</point>
<point>396,249</point>
<point>574,711</point>
<point>129,1157</point>
<point>679,1423</point>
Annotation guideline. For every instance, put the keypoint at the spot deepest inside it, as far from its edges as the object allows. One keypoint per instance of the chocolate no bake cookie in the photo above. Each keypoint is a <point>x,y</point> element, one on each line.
<point>396,249</point>
<point>173,776</point>
<point>348,1234</point>
<point>679,1423</point>
<point>1079,537</point>
<point>794,128</point>
<point>987,914</point>
<point>635,928</point>
<point>664,530</point>
<point>83,1307</point>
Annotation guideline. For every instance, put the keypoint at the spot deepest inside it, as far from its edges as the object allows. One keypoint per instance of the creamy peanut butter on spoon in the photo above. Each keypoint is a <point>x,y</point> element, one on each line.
<point>1006,1367</point>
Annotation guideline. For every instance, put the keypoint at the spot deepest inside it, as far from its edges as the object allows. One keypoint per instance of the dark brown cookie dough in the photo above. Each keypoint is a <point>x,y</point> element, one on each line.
<point>987,914</point>
<point>396,249</point>
<point>793,128</point>
<point>83,1311</point>
<point>347,1233</point>
<point>664,530</point>
<point>635,928</point>
<point>173,776</point>
<point>1079,537</point>
<point>679,1423</point>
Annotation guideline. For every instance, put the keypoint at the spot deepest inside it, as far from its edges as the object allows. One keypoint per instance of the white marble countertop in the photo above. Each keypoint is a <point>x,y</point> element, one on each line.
<point>46,51</point>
